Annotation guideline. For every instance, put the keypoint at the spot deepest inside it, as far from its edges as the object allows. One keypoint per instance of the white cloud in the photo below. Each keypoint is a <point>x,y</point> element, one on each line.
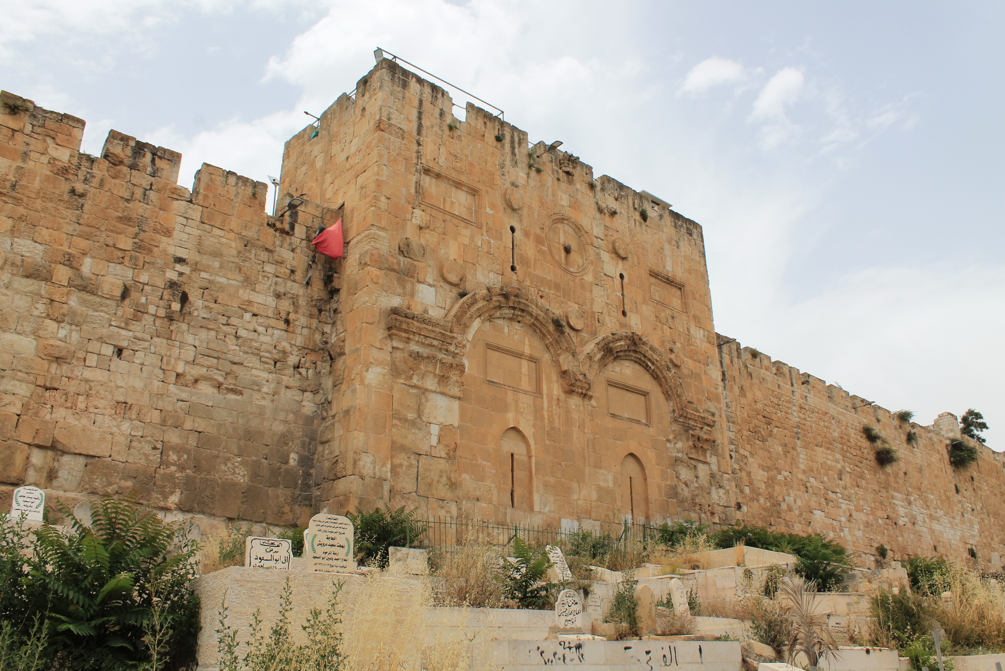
<point>782,90</point>
<point>711,72</point>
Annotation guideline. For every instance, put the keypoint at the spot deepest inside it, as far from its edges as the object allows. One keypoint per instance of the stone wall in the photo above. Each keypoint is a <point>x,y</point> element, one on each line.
<point>802,463</point>
<point>508,338</point>
<point>154,341</point>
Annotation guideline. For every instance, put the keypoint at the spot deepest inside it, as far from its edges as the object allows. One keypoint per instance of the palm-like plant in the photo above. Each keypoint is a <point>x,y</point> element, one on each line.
<point>808,634</point>
<point>116,586</point>
<point>524,580</point>
<point>384,528</point>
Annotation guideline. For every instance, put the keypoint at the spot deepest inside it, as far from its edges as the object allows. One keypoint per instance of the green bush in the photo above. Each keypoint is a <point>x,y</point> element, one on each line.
<point>525,581</point>
<point>590,547</point>
<point>821,561</point>
<point>295,535</point>
<point>769,624</point>
<point>962,453</point>
<point>673,536</point>
<point>624,608</point>
<point>921,652</point>
<point>112,596</point>
<point>886,455</point>
<point>928,575</point>
<point>384,528</point>
<point>900,618</point>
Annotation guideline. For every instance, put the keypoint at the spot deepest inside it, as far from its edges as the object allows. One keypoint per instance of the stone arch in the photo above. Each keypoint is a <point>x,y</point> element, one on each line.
<point>510,302</point>
<point>633,347</point>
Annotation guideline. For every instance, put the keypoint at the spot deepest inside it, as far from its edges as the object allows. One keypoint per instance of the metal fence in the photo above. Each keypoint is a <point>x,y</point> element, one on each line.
<point>445,533</point>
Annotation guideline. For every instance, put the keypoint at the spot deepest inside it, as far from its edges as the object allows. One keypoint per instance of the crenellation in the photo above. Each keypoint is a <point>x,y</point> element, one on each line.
<point>507,338</point>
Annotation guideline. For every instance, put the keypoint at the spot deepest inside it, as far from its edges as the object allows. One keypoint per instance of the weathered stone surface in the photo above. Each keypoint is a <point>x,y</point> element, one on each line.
<point>55,350</point>
<point>81,440</point>
<point>13,462</point>
<point>34,431</point>
<point>452,272</point>
<point>411,249</point>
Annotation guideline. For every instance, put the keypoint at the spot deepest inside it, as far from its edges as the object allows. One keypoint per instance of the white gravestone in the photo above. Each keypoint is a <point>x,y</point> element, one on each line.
<point>556,557</point>
<point>28,501</point>
<point>679,596</point>
<point>568,608</point>
<point>268,553</point>
<point>329,544</point>
<point>594,604</point>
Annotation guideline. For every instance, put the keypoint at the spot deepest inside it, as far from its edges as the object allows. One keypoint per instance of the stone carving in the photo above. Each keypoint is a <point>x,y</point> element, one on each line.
<point>569,245</point>
<point>513,198</point>
<point>411,249</point>
<point>620,248</point>
<point>268,553</point>
<point>28,501</point>
<point>556,557</point>
<point>679,596</point>
<point>575,319</point>
<point>568,608</point>
<point>329,544</point>
<point>452,272</point>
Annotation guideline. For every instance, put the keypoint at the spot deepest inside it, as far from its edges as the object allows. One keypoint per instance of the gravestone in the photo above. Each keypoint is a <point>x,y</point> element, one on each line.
<point>646,609</point>
<point>556,557</point>
<point>594,604</point>
<point>262,552</point>
<point>679,596</point>
<point>329,544</point>
<point>28,501</point>
<point>568,609</point>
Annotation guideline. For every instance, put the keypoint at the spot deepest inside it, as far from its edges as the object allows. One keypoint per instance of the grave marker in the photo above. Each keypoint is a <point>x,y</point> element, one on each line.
<point>556,557</point>
<point>568,608</point>
<point>262,552</point>
<point>329,544</point>
<point>679,596</point>
<point>28,501</point>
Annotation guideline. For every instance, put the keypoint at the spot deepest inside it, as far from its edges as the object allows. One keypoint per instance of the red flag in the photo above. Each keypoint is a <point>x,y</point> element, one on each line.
<point>329,241</point>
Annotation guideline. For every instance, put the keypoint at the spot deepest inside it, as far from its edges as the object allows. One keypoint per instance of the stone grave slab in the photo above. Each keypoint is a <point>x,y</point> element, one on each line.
<point>557,557</point>
<point>28,501</point>
<point>568,609</point>
<point>260,552</point>
<point>679,596</point>
<point>329,544</point>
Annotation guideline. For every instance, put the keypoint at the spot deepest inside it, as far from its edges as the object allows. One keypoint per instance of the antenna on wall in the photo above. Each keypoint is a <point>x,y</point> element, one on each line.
<point>275,192</point>
<point>380,54</point>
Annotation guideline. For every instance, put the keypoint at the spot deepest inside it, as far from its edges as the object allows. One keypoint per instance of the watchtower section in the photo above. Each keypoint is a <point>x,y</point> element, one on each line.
<point>518,340</point>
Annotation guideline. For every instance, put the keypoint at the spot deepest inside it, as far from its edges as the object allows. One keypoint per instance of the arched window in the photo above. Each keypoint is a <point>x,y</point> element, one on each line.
<point>514,470</point>
<point>634,488</point>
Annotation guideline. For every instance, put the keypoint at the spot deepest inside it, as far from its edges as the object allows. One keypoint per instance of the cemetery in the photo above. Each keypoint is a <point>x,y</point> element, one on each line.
<point>686,605</point>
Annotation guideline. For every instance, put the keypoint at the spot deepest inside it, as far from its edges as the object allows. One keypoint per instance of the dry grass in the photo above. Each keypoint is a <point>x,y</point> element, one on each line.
<point>219,551</point>
<point>469,577</point>
<point>669,623</point>
<point>384,630</point>
<point>975,616</point>
<point>731,608</point>
<point>686,556</point>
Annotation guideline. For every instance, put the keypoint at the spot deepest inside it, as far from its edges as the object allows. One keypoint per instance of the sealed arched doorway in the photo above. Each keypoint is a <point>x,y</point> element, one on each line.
<point>634,488</point>
<point>516,486</point>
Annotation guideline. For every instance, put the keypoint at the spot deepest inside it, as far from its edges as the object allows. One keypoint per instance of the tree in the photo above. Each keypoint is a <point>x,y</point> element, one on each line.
<point>972,425</point>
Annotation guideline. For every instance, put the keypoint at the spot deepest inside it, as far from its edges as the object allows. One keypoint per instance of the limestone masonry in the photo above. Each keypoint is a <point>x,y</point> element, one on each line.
<point>508,338</point>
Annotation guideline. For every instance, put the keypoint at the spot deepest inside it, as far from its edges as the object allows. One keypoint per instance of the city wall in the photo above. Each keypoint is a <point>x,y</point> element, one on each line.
<point>507,338</point>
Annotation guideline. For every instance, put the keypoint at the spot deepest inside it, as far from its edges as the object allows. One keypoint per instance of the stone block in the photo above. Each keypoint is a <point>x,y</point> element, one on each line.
<point>13,462</point>
<point>439,409</point>
<point>437,478</point>
<point>408,561</point>
<point>84,440</point>
<point>35,431</point>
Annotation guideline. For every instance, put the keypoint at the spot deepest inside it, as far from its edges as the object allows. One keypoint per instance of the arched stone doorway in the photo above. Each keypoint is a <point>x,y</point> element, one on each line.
<point>516,486</point>
<point>634,488</point>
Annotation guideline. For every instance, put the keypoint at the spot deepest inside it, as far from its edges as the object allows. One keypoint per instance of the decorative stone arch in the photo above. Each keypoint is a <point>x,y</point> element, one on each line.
<point>631,346</point>
<point>510,302</point>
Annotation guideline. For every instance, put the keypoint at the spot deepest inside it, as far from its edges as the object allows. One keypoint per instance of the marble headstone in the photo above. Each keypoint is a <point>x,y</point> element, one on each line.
<point>262,552</point>
<point>28,501</point>
<point>556,557</point>
<point>568,608</point>
<point>329,544</point>
<point>679,596</point>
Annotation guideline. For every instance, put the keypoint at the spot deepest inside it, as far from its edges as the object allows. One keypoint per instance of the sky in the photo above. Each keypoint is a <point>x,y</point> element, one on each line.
<point>845,160</point>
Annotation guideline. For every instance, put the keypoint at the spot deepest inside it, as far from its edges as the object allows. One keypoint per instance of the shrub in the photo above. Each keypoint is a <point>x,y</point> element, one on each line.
<point>591,547</point>
<point>974,619</point>
<point>871,434</point>
<point>769,624</point>
<point>295,535</point>
<point>469,577</point>
<point>322,650</point>
<point>882,551</point>
<point>886,455</point>
<point>900,618</point>
<point>921,653</point>
<point>911,438</point>
<point>962,453</point>
<point>383,528</point>
<point>773,576</point>
<point>118,593</point>
<point>904,415</point>
<point>674,536</point>
<point>524,580</point>
<point>624,608</point>
<point>972,425</point>
<point>668,623</point>
<point>822,563</point>
<point>928,575</point>
<point>227,549</point>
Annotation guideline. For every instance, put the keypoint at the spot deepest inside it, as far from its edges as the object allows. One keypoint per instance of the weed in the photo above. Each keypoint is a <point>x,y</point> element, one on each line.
<point>769,624</point>
<point>928,575</point>
<point>383,528</point>
<point>524,580</point>
<point>592,185</point>
<point>911,438</point>
<point>644,213</point>
<point>499,137</point>
<point>452,126</point>
<point>469,577</point>
<point>773,576</point>
<point>809,635</point>
<point>882,551</point>
<point>227,549</point>
<point>296,537</point>
<point>668,622</point>
<point>693,602</point>
<point>624,606</point>
<point>921,653</point>
<point>904,415</point>
<point>962,454</point>
<point>900,618</point>
<point>886,455</point>
<point>871,434</point>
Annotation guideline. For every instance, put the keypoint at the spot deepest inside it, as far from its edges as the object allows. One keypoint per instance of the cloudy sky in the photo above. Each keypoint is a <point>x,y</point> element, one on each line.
<point>846,160</point>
